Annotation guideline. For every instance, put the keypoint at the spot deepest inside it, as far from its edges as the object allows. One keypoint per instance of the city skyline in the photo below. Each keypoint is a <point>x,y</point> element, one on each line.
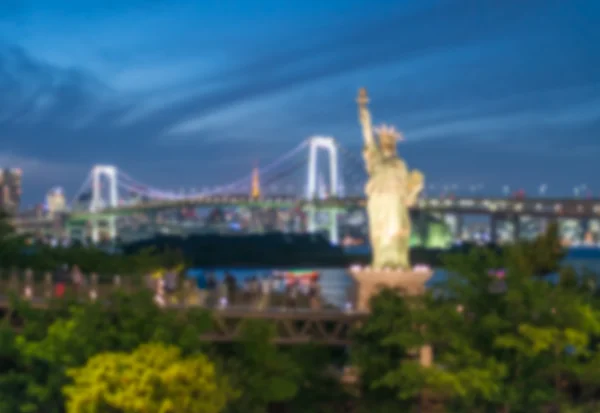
<point>182,95</point>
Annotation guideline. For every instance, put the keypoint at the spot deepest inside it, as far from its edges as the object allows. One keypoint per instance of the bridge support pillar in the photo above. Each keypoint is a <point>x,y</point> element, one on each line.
<point>516,229</point>
<point>494,229</point>
<point>256,221</point>
<point>334,229</point>
<point>111,228</point>
<point>95,231</point>
<point>585,231</point>
<point>369,282</point>
<point>460,226</point>
<point>594,230</point>
<point>455,223</point>
<point>554,221</point>
<point>312,219</point>
<point>332,223</point>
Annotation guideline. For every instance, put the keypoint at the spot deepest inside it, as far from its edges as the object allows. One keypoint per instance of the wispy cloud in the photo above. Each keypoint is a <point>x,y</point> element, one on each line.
<point>40,170</point>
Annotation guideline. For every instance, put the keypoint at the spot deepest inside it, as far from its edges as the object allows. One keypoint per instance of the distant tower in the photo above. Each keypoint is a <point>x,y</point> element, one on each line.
<point>255,191</point>
<point>10,190</point>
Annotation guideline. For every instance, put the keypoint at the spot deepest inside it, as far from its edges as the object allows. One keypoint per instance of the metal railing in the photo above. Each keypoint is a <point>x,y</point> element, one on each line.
<point>40,289</point>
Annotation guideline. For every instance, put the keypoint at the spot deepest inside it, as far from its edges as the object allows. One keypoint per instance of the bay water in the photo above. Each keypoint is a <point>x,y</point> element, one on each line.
<point>335,282</point>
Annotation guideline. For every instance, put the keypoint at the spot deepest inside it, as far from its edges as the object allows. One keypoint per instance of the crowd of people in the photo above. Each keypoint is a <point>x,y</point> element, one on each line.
<point>257,290</point>
<point>208,289</point>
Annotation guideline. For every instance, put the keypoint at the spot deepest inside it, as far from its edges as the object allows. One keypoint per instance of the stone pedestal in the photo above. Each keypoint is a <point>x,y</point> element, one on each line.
<point>368,282</point>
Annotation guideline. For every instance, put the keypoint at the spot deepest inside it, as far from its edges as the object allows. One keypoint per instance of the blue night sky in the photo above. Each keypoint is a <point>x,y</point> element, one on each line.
<point>188,93</point>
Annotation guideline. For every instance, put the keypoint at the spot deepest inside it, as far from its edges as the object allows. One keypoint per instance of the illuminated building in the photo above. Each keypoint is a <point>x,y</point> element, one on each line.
<point>10,190</point>
<point>55,201</point>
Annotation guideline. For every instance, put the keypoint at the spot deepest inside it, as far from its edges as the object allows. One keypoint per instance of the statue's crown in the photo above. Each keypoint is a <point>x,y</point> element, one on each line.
<point>388,134</point>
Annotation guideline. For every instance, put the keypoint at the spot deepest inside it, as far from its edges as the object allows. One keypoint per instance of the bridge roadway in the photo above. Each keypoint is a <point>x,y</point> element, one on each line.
<point>502,207</point>
<point>575,208</point>
<point>329,327</point>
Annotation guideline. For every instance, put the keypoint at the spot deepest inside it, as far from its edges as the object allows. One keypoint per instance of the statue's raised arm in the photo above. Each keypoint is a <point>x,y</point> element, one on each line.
<point>365,118</point>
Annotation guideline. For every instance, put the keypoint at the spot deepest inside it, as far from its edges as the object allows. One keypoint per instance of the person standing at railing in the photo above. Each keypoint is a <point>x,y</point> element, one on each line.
<point>314,294</point>
<point>211,288</point>
<point>254,290</point>
<point>76,278</point>
<point>292,294</point>
<point>160,297</point>
<point>265,293</point>
<point>59,290</point>
<point>244,291</point>
<point>201,284</point>
<point>224,293</point>
<point>171,281</point>
<point>351,295</point>
<point>230,285</point>
<point>61,277</point>
<point>150,282</point>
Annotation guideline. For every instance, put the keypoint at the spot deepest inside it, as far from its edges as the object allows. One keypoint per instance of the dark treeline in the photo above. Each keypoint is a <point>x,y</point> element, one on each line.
<point>265,250</point>
<point>21,252</point>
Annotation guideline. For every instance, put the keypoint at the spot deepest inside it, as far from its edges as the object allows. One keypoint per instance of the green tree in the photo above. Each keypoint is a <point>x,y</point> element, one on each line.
<point>14,375</point>
<point>532,334</point>
<point>154,378</point>
<point>261,372</point>
<point>87,330</point>
<point>320,389</point>
<point>376,354</point>
<point>514,343</point>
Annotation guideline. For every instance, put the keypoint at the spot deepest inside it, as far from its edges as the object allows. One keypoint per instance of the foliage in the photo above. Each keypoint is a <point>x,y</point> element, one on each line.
<point>258,369</point>
<point>517,344</point>
<point>154,378</point>
<point>13,373</point>
<point>319,387</point>
<point>382,342</point>
<point>86,330</point>
<point>521,343</point>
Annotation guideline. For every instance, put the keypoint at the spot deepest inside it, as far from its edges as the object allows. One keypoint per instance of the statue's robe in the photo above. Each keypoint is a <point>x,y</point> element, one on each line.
<point>387,206</point>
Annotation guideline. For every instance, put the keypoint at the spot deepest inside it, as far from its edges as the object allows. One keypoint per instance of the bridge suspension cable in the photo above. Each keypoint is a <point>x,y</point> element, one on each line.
<point>139,187</point>
<point>132,185</point>
<point>82,189</point>
<point>298,166</point>
<point>266,169</point>
<point>354,167</point>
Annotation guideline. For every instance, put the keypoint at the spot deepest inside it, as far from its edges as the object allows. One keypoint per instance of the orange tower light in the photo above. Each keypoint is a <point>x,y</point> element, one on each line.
<point>255,191</point>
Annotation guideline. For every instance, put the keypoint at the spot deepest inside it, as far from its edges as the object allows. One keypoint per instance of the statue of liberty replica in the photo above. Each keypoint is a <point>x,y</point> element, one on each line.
<point>391,190</point>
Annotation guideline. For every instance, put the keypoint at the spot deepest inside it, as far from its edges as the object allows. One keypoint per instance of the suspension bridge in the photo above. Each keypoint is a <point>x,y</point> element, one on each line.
<point>108,192</point>
<point>110,187</point>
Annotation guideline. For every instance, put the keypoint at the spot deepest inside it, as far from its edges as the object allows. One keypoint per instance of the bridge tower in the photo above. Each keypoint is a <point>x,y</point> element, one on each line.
<point>255,190</point>
<point>329,145</point>
<point>98,202</point>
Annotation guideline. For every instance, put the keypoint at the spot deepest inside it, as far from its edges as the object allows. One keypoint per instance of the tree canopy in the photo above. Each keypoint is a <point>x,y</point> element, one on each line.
<point>505,336</point>
<point>512,330</point>
<point>154,378</point>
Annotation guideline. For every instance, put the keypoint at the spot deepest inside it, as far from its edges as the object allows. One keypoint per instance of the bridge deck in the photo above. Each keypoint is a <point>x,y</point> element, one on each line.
<point>535,207</point>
